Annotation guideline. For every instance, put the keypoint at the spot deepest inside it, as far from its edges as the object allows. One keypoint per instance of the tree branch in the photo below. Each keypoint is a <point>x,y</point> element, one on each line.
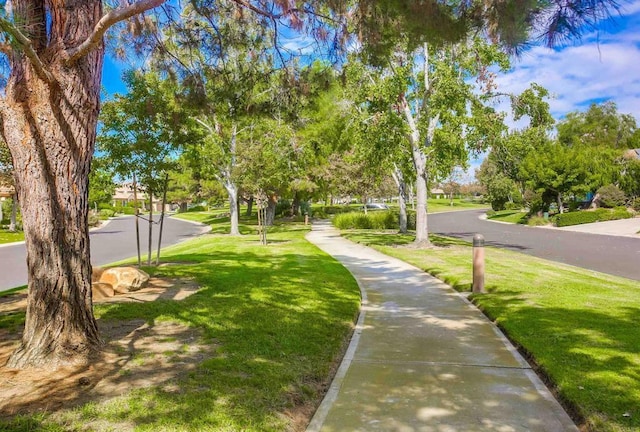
<point>27,46</point>
<point>108,20</point>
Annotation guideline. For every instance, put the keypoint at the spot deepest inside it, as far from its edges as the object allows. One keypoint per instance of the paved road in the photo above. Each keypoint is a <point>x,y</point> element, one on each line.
<point>114,242</point>
<point>608,254</point>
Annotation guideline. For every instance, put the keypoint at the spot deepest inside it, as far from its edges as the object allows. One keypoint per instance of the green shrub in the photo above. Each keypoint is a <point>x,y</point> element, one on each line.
<point>197,208</point>
<point>106,213</point>
<point>283,207</point>
<point>94,220</point>
<point>125,210</point>
<point>599,215</point>
<point>491,212</point>
<point>373,220</point>
<point>611,196</point>
<point>338,209</point>
<point>635,204</point>
<point>105,206</point>
<point>512,206</point>
<point>537,221</point>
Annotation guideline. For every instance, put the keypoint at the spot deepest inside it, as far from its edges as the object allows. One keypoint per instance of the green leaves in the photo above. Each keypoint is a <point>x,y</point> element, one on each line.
<point>143,131</point>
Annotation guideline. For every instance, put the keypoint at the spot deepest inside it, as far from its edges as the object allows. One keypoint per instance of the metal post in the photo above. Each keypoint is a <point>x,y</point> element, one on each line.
<point>478,263</point>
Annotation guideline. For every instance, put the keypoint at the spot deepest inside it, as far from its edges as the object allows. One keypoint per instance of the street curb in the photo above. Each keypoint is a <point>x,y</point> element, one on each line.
<point>565,229</point>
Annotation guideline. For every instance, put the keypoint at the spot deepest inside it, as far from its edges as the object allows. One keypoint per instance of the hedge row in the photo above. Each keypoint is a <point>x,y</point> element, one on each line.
<point>599,215</point>
<point>372,220</point>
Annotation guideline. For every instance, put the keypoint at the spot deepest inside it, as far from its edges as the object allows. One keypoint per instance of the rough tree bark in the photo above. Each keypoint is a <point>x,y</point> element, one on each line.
<point>48,120</point>
<point>249,206</point>
<point>398,177</point>
<point>270,216</point>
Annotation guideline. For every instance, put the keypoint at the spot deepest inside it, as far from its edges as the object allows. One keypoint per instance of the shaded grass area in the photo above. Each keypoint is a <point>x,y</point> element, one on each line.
<point>579,327</point>
<point>10,237</point>
<point>276,317</point>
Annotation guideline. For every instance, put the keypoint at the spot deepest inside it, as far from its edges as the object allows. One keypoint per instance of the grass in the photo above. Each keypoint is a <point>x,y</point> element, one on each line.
<point>510,216</point>
<point>277,316</point>
<point>580,327</point>
<point>10,237</point>
<point>435,205</point>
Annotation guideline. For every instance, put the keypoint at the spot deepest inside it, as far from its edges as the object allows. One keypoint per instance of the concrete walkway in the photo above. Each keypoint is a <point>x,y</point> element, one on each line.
<point>423,359</point>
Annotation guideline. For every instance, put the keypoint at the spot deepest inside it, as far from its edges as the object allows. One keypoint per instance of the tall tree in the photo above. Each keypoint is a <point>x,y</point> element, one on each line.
<point>48,119</point>
<point>443,116</point>
<point>142,133</point>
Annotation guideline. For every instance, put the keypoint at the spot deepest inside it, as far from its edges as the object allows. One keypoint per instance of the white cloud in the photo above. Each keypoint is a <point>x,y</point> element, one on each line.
<point>578,75</point>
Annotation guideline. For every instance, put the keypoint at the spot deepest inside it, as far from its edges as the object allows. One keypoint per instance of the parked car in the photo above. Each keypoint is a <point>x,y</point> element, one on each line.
<point>376,206</point>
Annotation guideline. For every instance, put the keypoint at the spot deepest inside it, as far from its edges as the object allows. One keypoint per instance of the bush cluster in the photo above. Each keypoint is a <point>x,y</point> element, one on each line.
<point>635,204</point>
<point>197,208</point>
<point>599,215</point>
<point>372,220</point>
<point>611,196</point>
<point>94,220</point>
<point>125,210</point>
<point>106,213</point>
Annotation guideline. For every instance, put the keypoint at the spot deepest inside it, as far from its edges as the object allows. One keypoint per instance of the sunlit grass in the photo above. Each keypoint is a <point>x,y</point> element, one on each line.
<point>276,318</point>
<point>10,237</point>
<point>581,327</point>
<point>511,216</point>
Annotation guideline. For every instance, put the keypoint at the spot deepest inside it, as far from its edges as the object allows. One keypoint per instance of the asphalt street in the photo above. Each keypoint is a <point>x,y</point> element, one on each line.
<point>113,242</point>
<point>614,255</point>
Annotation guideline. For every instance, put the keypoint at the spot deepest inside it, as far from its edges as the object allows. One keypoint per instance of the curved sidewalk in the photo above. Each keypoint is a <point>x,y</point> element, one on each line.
<point>423,359</point>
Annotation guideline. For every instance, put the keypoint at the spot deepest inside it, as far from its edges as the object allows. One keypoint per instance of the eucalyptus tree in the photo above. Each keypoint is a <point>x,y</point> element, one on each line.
<point>442,115</point>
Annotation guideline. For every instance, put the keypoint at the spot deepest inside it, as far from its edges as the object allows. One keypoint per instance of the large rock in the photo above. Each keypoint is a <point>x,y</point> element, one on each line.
<point>96,272</point>
<point>102,290</point>
<point>125,279</point>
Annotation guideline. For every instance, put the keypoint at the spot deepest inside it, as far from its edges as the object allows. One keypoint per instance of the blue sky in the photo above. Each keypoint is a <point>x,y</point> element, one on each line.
<point>604,65</point>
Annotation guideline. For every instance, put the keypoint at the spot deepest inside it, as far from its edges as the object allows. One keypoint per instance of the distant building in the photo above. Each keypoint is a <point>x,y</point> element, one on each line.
<point>123,196</point>
<point>6,191</point>
<point>437,193</point>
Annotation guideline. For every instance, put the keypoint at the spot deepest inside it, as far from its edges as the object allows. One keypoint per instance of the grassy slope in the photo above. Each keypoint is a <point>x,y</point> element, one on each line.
<point>580,326</point>
<point>278,316</point>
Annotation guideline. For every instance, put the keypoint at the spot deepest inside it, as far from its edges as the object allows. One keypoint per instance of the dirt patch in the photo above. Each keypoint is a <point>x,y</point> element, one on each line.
<point>136,355</point>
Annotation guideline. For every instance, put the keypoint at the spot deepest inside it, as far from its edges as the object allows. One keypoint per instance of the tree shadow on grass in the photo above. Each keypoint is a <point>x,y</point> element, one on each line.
<point>588,356</point>
<point>278,321</point>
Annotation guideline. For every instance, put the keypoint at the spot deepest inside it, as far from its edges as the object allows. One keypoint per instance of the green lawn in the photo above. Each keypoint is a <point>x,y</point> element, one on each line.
<point>442,205</point>
<point>276,318</point>
<point>10,237</point>
<point>511,216</point>
<point>581,327</point>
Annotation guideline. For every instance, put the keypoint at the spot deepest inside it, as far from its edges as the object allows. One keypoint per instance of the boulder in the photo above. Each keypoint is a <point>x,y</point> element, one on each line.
<point>96,272</point>
<point>125,279</point>
<point>102,290</point>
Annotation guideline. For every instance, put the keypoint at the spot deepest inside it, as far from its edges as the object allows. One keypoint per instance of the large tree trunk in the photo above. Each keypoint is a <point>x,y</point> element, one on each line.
<point>249,206</point>
<point>398,177</point>
<point>271,210</point>
<point>232,192</point>
<point>422,229</point>
<point>295,204</point>
<point>50,128</point>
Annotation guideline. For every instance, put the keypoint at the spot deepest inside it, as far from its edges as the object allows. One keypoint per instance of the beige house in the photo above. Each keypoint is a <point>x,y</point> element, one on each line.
<point>123,196</point>
<point>6,189</point>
